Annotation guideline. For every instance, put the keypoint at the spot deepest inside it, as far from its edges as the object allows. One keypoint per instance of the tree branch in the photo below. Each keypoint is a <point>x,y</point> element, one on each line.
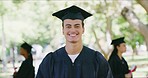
<point>133,20</point>
<point>144,4</point>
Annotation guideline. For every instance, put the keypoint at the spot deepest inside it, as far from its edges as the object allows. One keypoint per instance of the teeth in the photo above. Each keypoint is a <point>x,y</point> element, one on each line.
<point>72,34</point>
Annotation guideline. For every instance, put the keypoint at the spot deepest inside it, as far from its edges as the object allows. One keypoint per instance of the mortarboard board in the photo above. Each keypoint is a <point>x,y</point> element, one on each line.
<point>27,47</point>
<point>118,41</point>
<point>72,12</point>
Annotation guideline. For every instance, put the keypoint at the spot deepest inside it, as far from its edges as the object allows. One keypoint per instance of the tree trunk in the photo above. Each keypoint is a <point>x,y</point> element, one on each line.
<point>144,4</point>
<point>108,34</point>
<point>4,60</point>
<point>133,20</point>
<point>98,44</point>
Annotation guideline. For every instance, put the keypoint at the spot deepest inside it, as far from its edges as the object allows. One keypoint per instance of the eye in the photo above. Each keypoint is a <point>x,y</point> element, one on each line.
<point>77,26</point>
<point>124,45</point>
<point>67,26</point>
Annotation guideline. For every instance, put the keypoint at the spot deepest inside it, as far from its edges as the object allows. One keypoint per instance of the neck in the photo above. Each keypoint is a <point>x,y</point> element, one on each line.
<point>119,54</point>
<point>73,48</point>
<point>26,56</point>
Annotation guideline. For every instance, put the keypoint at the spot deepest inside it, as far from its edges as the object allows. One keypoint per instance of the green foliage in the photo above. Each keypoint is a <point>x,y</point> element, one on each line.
<point>132,37</point>
<point>18,2</point>
<point>3,9</point>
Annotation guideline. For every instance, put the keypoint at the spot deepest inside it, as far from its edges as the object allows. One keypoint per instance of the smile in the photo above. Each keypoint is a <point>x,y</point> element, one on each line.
<point>72,35</point>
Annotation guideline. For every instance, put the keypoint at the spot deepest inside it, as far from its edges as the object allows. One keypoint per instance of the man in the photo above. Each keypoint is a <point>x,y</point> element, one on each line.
<point>74,60</point>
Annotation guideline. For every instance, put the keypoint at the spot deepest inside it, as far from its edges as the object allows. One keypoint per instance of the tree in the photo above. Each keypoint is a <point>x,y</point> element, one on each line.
<point>143,3</point>
<point>41,28</point>
<point>2,13</point>
<point>134,21</point>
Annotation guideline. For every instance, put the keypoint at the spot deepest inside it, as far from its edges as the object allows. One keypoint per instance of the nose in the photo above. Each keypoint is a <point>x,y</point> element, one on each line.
<point>72,29</point>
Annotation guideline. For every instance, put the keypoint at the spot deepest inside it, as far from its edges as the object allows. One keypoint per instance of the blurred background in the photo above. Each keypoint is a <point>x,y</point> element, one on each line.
<point>32,21</point>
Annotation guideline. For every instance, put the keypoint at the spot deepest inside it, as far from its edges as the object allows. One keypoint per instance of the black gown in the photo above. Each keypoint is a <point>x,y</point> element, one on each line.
<point>88,64</point>
<point>119,67</point>
<point>26,70</point>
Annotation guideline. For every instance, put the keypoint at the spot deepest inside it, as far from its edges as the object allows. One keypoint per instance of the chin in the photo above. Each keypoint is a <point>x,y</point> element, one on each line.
<point>73,41</point>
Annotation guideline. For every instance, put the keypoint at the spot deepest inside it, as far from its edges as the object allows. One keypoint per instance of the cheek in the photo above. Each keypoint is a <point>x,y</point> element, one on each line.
<point>21,52</point>
<point>63,31</point>
<point>124,49</point>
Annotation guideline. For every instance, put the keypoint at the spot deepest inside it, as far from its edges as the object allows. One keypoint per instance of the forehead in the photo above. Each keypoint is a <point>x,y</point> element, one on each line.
<point>22,49</point>
<point>72,21</point>
<point>122,44</point>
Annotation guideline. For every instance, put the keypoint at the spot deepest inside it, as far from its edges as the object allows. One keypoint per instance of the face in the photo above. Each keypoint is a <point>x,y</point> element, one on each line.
<point>23,51</point>
<point>122,47</point>
<point>73,30</point>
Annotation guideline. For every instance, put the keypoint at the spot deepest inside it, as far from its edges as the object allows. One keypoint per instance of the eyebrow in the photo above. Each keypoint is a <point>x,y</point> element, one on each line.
<point>68,25</point>
<point>77,24</point>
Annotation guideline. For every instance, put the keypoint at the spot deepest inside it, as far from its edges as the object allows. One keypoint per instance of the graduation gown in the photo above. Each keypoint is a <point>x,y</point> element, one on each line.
<point>88,64</point>
<point>119,67</point>
<point>26,70</point>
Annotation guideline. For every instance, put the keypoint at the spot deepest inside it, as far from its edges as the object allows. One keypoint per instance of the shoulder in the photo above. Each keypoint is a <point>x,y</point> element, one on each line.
<point>27,63</point>
<point>88,49</point>
<point>100,58</point>
<point>112,58</point>
<point>50,56</point>
<point>97,54</point>
<point>46,63</point>
<point>103,66</point>
<point>62,49</point>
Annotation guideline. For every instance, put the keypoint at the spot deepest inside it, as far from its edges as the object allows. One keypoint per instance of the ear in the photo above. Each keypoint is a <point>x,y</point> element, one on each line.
<point>117,47</point>
<point>63,27</point>
<point>63,30</point>
<point>83,30</point>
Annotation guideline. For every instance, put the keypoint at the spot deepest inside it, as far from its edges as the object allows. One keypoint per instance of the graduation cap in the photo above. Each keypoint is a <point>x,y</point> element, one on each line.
<point>27,47</point>
<point>118,41</point>
<point>72,12</point>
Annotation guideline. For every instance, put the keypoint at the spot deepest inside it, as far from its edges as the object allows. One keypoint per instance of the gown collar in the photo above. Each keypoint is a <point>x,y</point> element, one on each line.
<point>65,56</point>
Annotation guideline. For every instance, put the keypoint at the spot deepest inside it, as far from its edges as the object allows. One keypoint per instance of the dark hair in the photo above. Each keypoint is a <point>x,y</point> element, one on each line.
<point>28,48</point>
<point>30,58</point>
<point>114,52</point>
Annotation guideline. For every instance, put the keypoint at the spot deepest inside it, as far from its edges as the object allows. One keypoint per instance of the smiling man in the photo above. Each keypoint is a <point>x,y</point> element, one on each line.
<point>74,60</point>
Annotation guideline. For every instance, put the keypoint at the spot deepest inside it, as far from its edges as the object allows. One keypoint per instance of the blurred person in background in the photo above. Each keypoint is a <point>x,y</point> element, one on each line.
<point>26,69</point>
<point>117,63</point>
